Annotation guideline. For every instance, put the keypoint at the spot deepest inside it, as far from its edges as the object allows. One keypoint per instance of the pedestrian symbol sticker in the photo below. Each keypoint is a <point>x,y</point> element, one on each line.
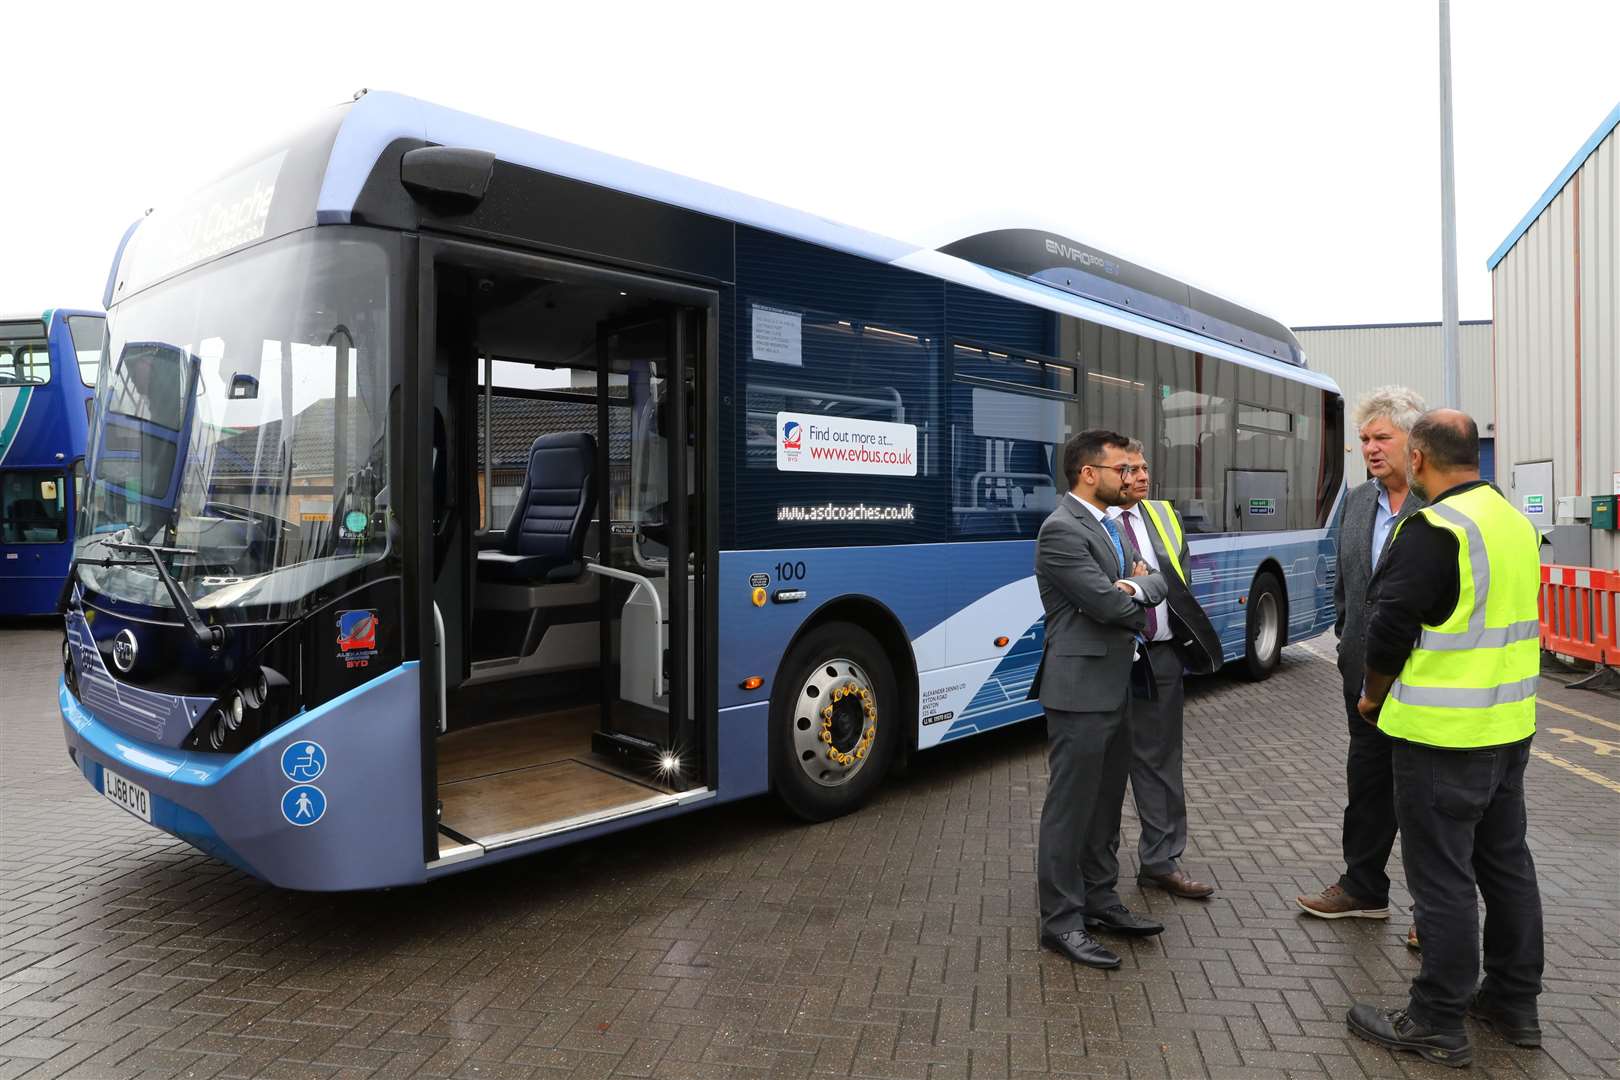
<point>303,762</point>
<point>303,805</point>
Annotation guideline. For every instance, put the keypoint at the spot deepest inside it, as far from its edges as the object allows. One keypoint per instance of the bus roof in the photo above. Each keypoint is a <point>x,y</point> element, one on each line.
<point>378,118</point>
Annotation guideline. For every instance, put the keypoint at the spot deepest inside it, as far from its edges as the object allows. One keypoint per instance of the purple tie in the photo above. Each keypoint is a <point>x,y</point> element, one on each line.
<point>1136,538</point>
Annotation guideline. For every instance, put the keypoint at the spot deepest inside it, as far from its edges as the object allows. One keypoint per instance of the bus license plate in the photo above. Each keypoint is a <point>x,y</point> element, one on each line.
<point>132,797</point>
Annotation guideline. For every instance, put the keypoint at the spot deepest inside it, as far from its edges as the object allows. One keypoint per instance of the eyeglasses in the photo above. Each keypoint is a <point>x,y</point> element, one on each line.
<point>1123,470</point>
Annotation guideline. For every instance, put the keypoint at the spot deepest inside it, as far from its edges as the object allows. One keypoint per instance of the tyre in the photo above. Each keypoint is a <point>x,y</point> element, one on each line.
<point>1268,606</point>
<point>835,721</point>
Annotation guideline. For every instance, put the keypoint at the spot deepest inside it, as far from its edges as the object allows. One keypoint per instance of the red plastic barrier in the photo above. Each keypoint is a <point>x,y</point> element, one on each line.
<point>1578,609</point>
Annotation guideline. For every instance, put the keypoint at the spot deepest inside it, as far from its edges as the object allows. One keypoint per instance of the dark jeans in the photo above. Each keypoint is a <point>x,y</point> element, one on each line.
<point>1369,813</point>
<point>1463,823</point>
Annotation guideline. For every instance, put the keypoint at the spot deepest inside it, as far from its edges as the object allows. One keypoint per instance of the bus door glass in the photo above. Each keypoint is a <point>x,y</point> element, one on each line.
<point>652,505</point>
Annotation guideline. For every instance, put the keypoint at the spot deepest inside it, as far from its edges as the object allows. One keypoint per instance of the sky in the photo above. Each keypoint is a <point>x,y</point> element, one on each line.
<point>1284,155</point>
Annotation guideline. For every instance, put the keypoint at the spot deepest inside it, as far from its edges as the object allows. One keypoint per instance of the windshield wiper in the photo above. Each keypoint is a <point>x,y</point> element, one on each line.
<point>212,636</point>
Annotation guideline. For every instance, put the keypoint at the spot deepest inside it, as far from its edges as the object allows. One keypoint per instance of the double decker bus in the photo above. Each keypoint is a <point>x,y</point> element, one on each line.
<point>47,369</point>
<point>519,494</point>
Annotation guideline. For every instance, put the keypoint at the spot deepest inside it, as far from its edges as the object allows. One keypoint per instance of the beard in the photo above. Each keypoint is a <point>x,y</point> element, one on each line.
<point>1413,485</point>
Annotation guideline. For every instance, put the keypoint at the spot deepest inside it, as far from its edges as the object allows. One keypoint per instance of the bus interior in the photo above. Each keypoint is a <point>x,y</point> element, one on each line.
<point>566,590</point>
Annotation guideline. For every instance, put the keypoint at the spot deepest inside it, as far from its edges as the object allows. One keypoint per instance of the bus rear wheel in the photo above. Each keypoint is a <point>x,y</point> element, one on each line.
<point>835,721</point>
<point>1267,603</point>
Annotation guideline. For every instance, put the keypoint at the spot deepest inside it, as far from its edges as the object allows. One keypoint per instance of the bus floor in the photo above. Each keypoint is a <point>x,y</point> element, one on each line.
<point>512,779</point>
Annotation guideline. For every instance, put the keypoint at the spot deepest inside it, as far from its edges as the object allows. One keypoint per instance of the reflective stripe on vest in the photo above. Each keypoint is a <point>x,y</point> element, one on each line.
<point>1173,549</point>
<point>1471,680</point>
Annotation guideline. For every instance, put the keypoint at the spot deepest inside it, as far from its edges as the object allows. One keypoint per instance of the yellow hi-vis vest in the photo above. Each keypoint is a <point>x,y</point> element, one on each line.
<point>1471,681</point>
<point>1159,512</point>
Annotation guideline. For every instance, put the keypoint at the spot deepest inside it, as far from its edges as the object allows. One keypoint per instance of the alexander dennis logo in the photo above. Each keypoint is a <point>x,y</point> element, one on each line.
<point>357,637</point>
<point>792,435</point>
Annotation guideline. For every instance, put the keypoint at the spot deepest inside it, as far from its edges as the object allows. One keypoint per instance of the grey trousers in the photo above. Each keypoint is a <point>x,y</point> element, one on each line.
<point>1156,781</point>
<point>1077,864</point>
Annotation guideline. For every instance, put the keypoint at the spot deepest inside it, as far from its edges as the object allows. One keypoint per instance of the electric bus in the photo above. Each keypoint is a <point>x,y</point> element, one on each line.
<point>47,368</point>
<point>521,494</point>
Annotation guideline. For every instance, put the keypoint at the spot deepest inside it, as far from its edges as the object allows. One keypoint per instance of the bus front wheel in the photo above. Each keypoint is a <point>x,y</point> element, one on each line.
<point>1267,604</point>
<point>835,721</point>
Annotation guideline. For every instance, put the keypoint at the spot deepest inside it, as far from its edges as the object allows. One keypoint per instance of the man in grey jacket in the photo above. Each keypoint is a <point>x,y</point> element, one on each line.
<point>1179,638</point>
<point>1094,588</point>
<point>1371,511</point>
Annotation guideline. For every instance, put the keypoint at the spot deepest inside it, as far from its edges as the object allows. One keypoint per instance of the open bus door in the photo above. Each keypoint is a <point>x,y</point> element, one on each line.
<point>561,556</point>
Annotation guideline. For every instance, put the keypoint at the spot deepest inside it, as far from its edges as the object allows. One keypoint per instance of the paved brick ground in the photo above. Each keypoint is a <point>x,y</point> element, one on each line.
<point>899,942</point>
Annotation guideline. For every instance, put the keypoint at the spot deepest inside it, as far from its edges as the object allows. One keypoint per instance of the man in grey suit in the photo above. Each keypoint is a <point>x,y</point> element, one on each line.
<point>1179,638</point>
<point>1371,511</point>
<point>1094,588</point>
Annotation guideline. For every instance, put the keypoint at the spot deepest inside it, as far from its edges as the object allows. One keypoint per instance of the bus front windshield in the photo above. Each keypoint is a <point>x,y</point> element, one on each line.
<point>243,427</point>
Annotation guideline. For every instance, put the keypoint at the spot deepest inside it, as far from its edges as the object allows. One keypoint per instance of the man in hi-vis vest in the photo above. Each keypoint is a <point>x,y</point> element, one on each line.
<point>1453,652</point>
<point>1179,636</point>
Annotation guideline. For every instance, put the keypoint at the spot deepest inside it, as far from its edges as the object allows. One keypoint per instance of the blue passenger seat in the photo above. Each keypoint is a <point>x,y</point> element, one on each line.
<point>544,541</point>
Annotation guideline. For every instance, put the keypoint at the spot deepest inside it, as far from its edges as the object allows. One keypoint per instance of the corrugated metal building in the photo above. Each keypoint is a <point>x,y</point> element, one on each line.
<point>1362,358</point>
<point>1555,294</point>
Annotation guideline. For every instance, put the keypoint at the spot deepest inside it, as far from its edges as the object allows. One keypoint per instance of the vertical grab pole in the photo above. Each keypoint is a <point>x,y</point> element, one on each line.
<point>438,657</point>
<point>489,444</point>
<point>344,343</point>
<point>604,528</point>
<point>679,616</point>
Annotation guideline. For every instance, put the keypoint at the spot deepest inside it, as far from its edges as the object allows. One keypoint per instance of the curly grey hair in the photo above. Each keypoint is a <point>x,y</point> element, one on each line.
<point>1400,405</point>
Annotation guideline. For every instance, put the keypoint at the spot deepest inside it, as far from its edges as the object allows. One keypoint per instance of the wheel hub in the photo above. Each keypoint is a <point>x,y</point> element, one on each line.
<point>848,723</point>
<point>835,721</point>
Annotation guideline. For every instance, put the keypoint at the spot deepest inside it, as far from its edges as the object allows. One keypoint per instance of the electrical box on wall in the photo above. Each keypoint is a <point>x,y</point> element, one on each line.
<point>1567,545</point>
<point>1532,492</point>
<point>1574,508</point>
<point>1603,511</point>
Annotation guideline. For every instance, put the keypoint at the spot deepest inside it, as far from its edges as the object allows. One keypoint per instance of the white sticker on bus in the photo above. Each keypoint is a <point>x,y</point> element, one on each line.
<point>808,442</point>
<point>778,336</point>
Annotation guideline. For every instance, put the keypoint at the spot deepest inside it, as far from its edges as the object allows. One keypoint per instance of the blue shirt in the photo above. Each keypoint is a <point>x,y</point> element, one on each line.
<point>1383,520</point>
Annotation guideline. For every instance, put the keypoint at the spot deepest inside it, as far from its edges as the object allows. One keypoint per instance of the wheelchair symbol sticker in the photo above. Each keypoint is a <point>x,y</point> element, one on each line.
<point>303,762</point>
<point>303,805</point>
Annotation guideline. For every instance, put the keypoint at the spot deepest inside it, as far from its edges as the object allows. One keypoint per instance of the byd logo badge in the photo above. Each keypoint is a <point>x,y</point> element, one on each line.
<point>124,651</point>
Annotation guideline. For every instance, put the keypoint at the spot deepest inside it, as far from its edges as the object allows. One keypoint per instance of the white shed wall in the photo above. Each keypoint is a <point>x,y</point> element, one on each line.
<point>1534,289</point>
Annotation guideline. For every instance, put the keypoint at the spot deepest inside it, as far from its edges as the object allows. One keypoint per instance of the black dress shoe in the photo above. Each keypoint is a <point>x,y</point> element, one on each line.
<point>1121,920</point>
<point>1517,1027</point>
<point>1393,1029</point>
<point>1082,948</point>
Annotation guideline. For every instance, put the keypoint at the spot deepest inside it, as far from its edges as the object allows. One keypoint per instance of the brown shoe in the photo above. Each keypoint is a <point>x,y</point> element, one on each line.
<point>1177,883</point>
<point>1412,941</point>
<point>1335,903</point>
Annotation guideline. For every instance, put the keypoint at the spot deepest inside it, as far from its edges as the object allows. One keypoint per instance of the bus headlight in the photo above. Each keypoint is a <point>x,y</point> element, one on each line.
<point>70,674</point>
<point>257,692</point>
<point>262,699</point>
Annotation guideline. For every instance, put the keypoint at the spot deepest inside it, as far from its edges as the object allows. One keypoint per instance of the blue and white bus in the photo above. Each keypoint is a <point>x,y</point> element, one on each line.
<point>47,371</point>
<point>526,494</point>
